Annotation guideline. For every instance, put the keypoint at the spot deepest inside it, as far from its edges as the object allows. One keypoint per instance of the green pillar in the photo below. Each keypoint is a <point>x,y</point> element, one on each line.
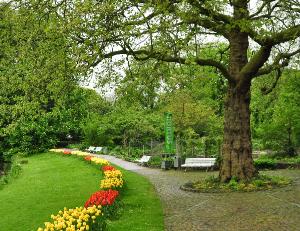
<point>169,134</point>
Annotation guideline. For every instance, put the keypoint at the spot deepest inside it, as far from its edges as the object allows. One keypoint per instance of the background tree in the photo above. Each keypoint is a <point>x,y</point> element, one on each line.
<point>276,117</point>
<point>174,31</point>
<point>40,100</point>
<point>167,30</point>
<point>192,93</point>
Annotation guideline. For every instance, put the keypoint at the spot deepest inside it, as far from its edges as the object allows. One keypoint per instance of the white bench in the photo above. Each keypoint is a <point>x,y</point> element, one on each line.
<point>98,149</point>
<point>199,162</point>
<point>93,149</point>
<point>143,160</point>
<point>90,149</point>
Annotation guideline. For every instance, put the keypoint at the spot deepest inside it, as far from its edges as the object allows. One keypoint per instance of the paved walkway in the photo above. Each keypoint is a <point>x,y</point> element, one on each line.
<point>255,211</point>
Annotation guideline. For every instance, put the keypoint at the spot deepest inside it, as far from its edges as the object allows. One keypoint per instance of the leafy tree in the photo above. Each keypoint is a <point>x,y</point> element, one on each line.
<point>192,93</point>
<point>196,123</point>
<point>40,101</point>
<point>170,31</point>
<point>124,125</point>
<point>277,121</point>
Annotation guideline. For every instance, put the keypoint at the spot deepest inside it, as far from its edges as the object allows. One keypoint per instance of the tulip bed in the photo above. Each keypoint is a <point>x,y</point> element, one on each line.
<point>49,182</point>
<point>101,205</point>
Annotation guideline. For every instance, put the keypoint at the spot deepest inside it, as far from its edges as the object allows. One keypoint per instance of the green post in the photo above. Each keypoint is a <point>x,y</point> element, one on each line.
<point>169,134</point>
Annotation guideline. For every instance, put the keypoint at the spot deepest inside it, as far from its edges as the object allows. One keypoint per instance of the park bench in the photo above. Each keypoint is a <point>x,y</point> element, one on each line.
<point>90,149</point>
<point>98,149</point>
<point>144,159</point>
<point>199,163</point>
<point>93,149</point>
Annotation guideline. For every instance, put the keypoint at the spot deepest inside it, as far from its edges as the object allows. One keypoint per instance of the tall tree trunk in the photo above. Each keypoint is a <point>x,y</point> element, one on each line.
<point>236,150</point>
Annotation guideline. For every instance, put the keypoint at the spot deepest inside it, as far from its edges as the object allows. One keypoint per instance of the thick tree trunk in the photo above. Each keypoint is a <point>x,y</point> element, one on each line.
<point>236,150</point>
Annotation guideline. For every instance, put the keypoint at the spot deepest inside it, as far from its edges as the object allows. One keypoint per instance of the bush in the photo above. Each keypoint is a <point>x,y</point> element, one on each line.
<point>129,153</point>
<point>79,146</point>
<point>13,172</point>
<point>265,164</point>
<point>155,161</point>
<point>261,182</point>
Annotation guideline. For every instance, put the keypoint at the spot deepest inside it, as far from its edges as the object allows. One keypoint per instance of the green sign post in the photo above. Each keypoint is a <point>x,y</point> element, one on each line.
<point>169,134</point>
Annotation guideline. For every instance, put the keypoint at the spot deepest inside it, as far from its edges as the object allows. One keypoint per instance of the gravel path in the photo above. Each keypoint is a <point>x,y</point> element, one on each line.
<point>277,209</point>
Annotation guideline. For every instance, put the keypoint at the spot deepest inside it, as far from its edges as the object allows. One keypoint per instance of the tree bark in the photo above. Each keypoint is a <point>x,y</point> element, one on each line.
<point>237,149</point>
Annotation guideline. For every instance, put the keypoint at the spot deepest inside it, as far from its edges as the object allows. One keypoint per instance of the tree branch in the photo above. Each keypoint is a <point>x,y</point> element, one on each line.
<point>217,17</point>
<point>267,3</point>
<point>210,19</point>
<point>276,38</point>
<point>277,64</point>
<point>266,91</point>
<point>145,54</point>
<point>257,61</point>
<point>208,24</point>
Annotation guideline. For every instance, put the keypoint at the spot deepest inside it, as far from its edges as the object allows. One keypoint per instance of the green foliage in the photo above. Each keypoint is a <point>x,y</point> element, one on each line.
<point>128,126</point>
<point>197,127</point>
<point>13,172</point>
<point>271,161</point>
<point>40,100</point>
<point>276,117</point>
<point>155,161</point>
<point>128,153</point>
<point>261,182</point>
<point>292,160</point>
<point>265,164</point>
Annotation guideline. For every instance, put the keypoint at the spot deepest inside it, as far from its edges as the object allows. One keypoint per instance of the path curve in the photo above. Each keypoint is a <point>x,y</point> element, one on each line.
<point>254,211</point>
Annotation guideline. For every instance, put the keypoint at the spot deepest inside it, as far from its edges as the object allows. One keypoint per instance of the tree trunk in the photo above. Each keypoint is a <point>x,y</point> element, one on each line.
<point>290,150</point>
<point>236,150</point>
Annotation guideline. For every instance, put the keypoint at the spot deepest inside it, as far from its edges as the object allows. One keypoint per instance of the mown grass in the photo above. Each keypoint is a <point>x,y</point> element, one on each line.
<point>51,181</point>
<point>142,208</point>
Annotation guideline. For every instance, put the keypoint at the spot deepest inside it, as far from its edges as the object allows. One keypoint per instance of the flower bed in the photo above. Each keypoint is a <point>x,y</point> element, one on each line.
<point>81,218</point>
<point>100,206</point>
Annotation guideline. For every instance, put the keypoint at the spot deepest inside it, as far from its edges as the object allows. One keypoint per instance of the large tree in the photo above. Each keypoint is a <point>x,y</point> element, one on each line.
<point>176,31</point>
<point>40,100</point>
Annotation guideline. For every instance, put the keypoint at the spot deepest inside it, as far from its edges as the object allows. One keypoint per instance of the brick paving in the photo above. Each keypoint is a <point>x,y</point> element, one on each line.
<point>273,210</point>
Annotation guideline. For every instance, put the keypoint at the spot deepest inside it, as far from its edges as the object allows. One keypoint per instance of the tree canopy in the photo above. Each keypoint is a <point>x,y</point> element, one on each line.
<point>240,39</point>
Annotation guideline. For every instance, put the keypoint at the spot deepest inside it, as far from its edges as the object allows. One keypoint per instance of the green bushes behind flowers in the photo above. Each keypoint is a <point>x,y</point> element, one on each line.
<point>129,153</point>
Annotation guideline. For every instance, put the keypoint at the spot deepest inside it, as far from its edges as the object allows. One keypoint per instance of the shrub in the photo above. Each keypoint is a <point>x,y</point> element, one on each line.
<point>155,161</point>
<point>13,172</point>
<point>233,184</point>
<point>261,182</point>
<point>265,164</point>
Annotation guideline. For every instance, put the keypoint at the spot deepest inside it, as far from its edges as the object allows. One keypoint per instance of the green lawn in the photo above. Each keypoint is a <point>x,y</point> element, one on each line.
<point>50,182</point>
<point>142,207</point>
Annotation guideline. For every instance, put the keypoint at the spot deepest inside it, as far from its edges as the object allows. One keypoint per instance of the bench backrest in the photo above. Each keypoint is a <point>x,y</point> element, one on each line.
<point>145,158</point>
<point>98,149</point>
<point>200,160</point>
